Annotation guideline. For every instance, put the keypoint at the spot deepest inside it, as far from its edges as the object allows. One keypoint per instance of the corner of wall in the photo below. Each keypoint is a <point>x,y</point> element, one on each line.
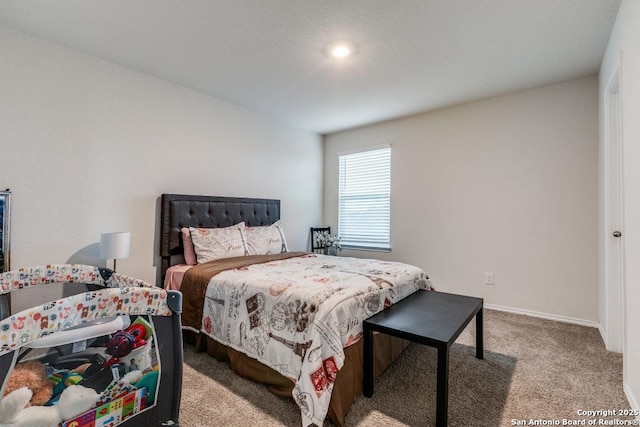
<point>633,402</point>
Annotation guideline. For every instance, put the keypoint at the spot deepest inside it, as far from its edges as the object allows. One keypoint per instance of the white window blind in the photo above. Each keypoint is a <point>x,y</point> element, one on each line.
<point>364,199</point>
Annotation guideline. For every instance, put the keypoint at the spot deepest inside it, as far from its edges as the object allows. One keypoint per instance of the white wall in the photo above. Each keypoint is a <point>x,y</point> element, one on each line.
<point>624,49</point>
<point>88,147</point>
<point>507,185</point>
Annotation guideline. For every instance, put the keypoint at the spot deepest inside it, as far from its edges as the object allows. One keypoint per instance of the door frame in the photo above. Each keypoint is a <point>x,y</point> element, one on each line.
<point>614,307</point>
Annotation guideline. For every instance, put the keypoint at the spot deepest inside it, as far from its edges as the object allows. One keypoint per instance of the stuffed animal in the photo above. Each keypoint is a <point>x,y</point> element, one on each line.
<point>75,400</point>
<point>31,374</point>
<point>148,381</point>
<point>15,412</point>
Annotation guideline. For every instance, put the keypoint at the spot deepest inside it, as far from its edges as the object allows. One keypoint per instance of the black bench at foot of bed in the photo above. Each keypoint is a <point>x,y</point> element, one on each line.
<point>431,318</point>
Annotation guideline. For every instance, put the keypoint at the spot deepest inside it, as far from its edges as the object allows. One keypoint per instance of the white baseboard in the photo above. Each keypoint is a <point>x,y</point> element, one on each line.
<point>633,402</point>
<point>603,333</point>
<point>547,316</point>
<point>631,398</point>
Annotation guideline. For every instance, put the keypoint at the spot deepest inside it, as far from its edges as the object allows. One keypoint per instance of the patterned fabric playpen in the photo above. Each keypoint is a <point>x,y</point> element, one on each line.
<point>121,339</point>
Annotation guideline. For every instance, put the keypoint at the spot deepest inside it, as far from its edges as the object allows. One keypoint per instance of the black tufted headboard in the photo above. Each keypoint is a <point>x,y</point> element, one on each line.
<point>180,210</point>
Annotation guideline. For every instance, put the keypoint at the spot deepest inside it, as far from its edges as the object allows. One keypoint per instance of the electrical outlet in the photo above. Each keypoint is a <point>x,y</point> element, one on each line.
<point>488,278</point>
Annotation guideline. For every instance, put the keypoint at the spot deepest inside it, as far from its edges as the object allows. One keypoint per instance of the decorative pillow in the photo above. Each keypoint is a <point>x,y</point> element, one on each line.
<point>187,243</point>
<point>266,240</point>
<point>216,243</point>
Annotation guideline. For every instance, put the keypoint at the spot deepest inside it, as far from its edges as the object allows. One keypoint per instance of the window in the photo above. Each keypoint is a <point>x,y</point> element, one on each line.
<point>364,199</point>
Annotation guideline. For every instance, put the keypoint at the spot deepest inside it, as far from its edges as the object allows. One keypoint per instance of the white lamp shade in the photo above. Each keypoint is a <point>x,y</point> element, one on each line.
<point>115,245</point>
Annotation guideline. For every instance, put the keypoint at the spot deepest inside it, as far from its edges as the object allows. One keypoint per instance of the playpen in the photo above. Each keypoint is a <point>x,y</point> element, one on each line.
<point>122,339</point>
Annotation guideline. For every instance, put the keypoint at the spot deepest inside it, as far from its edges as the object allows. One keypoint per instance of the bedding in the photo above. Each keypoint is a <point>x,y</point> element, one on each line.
<point>187,244</point>
<point>215,243</point>
<point>196,279</point>
<point>174,275</point>
<point>294,312</point>
<point>347,387</point>
<point>266,240</point>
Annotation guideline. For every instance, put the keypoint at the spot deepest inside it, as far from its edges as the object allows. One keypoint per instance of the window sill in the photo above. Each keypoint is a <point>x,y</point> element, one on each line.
<point>365,248</point>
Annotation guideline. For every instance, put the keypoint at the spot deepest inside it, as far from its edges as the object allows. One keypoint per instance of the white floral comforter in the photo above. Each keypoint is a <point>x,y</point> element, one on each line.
<point>296,315</point>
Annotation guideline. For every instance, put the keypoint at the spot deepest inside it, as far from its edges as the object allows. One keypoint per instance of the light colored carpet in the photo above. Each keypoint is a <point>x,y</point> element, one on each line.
<point>533,369</point>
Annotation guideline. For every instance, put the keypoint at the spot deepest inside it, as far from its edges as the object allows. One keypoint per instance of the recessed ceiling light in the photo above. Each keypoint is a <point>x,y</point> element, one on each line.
<point>340,50</point>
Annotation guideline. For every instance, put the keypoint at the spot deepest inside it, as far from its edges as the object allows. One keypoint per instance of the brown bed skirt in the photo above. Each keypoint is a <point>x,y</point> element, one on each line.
<point>348,384</point>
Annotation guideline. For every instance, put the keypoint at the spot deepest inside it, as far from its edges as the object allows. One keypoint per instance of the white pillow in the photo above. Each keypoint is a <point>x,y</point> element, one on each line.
<point>266,240</point>
<point>216,243</point>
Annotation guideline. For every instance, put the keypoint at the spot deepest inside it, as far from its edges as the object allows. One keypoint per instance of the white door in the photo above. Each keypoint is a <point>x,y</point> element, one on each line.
<point>614,233</point>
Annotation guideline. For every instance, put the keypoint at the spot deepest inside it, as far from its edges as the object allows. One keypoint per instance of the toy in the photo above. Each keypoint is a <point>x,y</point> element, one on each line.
<point>63,380</point>
<point>150,382</point>
<point>120,344</point>
<point>75,400</point>
<point>15,412</point>
<point>147,326</point>
<point>32,375</point>
<point>132,377</point>
<point>123,342</point>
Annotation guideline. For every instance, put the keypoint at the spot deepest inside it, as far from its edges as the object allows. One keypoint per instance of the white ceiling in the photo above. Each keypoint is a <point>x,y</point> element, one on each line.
<point>267,55</point>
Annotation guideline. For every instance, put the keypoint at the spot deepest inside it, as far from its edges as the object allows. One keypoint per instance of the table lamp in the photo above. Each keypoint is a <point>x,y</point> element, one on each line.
<point>115,246</point>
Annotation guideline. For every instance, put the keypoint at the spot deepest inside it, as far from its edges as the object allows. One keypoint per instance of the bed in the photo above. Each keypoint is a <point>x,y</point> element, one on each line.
<point>290,320</point>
